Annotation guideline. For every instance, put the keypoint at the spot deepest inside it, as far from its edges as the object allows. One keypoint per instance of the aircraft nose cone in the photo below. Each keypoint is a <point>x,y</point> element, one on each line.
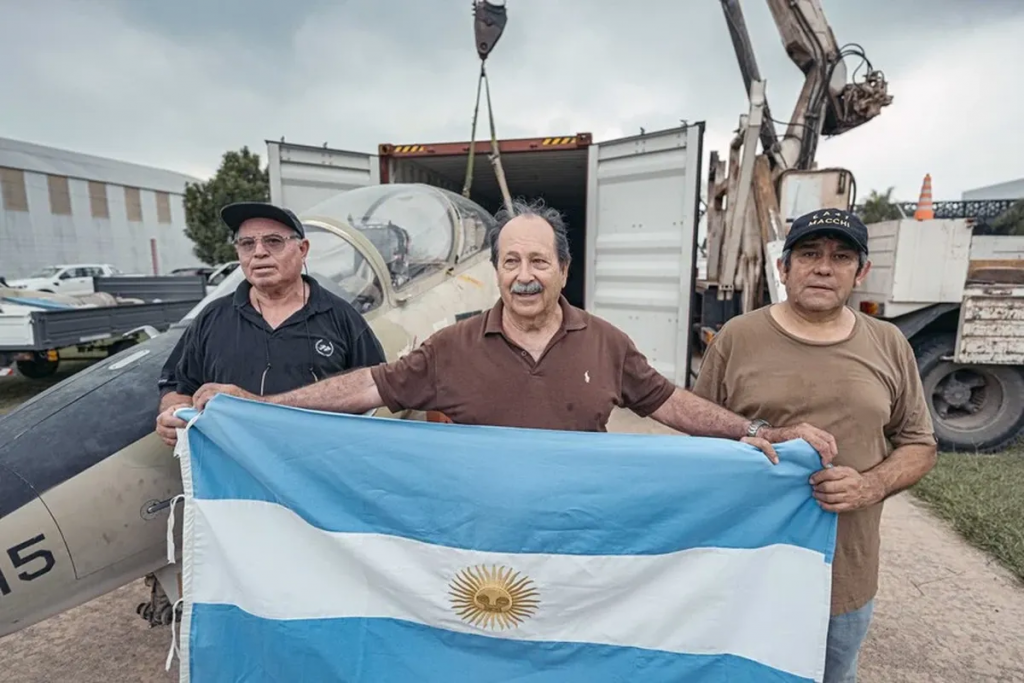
<point>78,462</point>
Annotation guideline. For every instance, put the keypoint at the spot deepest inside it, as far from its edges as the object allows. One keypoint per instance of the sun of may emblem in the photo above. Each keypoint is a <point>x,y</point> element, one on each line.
<point>493,597</point>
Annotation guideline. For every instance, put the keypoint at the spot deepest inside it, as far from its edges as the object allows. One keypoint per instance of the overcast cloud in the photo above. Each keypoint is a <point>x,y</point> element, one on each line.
<point>175,84</point>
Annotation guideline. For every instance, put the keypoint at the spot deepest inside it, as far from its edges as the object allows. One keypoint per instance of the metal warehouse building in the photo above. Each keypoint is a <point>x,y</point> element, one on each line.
<point>1013,189</point>
<point>62,207</point>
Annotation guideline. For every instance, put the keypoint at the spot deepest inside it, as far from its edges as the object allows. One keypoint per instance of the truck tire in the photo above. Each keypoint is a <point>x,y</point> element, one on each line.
<point>978,408</point>
<point>40,368</point>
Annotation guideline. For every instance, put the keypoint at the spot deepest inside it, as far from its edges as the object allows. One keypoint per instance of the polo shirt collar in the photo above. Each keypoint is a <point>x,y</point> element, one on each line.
<point>317,301</point>
<point>572,318</point>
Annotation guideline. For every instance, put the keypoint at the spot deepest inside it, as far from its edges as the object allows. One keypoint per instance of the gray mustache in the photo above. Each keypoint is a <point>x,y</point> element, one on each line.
<point>529,288</point>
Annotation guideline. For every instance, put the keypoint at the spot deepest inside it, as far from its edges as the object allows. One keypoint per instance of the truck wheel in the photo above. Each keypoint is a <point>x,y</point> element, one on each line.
<point>974,407</point>
<point>40,368</point>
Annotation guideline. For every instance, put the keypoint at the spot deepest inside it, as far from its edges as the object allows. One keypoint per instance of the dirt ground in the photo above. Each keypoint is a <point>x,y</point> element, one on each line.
<point>945,614</point>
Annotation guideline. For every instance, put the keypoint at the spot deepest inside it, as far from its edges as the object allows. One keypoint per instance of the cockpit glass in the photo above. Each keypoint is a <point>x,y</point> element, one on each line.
<point>412,226</point>
<point>340,268</point>
<point>476,223</point>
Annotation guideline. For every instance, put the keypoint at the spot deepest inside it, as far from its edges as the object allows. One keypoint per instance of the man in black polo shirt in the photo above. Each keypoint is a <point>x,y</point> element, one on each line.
<point>280,330</point>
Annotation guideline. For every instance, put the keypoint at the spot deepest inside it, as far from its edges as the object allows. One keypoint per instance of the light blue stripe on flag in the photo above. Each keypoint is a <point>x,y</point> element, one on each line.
<point>336,547</point>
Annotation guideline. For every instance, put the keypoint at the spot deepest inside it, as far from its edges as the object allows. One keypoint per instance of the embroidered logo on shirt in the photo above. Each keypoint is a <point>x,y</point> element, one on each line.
<point>324,347</point>
<point>586,376</point>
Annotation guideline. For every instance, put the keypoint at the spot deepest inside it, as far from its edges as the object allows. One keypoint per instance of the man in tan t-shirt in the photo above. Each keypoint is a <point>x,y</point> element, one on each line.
<point>813,359</point>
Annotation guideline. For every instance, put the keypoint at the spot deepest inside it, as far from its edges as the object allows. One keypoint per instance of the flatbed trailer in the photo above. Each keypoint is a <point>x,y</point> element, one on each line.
<point>34,343</point>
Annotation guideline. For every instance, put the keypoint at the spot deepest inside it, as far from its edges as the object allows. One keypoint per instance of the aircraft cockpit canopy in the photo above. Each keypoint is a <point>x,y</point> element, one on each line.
<point>417,230</point>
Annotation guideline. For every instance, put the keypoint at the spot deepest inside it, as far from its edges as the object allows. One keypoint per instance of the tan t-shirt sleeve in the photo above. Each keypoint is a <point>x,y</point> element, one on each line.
<point>644,389</point>
<point>710,382</point>
<point>911,423</point>
<point>409,383</point>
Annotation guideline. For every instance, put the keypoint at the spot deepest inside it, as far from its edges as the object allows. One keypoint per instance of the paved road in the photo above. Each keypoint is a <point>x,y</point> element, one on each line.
<point>946,614</point>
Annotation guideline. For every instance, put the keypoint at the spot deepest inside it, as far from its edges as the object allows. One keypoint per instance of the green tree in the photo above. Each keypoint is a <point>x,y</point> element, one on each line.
<point>238,179</point>
<point>879,207</point>
<point>1011,222</point>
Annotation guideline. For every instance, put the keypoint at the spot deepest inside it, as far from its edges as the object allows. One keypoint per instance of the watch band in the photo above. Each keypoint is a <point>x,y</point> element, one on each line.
<point>755,426</point>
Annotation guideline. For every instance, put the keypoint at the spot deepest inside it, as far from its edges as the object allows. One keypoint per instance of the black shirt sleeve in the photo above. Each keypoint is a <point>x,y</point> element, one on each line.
<point>365,349</point>
<point>189,370</point>
<point>168,379</point>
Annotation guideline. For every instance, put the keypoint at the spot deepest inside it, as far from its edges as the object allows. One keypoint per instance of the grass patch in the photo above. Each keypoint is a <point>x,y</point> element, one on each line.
<point>982,496</point>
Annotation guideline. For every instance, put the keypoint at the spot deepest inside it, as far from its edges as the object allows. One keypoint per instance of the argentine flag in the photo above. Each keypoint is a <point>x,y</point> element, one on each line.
<point>327,547</point>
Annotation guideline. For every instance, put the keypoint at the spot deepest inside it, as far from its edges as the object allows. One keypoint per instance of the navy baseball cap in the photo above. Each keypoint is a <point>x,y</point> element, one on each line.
<point>239,212</point>
<point>843,224</point>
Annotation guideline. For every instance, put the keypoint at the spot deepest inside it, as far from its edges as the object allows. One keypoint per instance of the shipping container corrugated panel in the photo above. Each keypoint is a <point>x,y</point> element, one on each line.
<point>641,238</point>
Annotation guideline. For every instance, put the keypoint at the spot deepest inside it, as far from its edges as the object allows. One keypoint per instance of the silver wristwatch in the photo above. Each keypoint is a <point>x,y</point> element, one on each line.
<point>755,426</point>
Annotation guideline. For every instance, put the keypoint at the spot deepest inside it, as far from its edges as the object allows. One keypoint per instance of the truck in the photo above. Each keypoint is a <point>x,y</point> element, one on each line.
<point>959,298</point>
<point>633,206</point>
<point>955,295</point>
<point>38,330</point>
<point>66,278</point>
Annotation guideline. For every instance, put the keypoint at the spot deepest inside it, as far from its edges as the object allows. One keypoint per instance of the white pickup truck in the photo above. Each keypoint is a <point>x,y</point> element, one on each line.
<point>69,278</point>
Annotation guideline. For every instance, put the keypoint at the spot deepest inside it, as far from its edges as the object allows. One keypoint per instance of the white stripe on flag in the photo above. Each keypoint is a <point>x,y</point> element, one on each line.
<point>767,604</point>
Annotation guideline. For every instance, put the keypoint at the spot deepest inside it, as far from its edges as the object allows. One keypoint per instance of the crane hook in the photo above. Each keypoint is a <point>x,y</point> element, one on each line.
<point>489,23</point>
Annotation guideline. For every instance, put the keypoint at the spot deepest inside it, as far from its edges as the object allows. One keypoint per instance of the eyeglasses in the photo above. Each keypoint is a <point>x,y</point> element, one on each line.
<point>272,243</point>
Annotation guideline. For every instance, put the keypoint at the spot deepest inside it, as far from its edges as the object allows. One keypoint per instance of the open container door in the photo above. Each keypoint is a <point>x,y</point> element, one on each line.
<point>302,176</point>
<point>642,210</point>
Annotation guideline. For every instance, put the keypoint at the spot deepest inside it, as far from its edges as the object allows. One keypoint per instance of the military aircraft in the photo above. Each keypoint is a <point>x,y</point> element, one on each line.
<point>86,485</point>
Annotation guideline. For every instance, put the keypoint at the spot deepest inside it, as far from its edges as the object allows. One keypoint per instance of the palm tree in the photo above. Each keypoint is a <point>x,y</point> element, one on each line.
<point>1011,222</point>
<point>879,207</point>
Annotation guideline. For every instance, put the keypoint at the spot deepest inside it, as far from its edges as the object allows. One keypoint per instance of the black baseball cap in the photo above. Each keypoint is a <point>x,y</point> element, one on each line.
<point>843,224</point>
<point>239,212</point>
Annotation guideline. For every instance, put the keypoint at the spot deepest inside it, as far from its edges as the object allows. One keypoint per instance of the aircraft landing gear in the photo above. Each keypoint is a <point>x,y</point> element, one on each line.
<point>158,611</point>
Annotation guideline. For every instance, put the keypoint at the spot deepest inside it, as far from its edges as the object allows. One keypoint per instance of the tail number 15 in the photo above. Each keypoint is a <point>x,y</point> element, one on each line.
<point>22,555</point>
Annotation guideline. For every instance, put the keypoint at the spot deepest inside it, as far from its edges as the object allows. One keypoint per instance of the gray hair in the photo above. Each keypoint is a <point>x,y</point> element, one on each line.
<point>538,209</point>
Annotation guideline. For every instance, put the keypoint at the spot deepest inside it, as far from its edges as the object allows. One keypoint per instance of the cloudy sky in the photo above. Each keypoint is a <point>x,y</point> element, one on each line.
<point>175,84</point>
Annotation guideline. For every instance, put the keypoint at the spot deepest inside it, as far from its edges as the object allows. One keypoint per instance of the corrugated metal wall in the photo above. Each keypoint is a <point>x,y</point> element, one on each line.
<point>51,219</point>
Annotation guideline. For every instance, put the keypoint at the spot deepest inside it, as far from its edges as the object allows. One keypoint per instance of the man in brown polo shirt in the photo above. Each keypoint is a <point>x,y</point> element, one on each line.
<point>811,358</point>
<point>532,361</point>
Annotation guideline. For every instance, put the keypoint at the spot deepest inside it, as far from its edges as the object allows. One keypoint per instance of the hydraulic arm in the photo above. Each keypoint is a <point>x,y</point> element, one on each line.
<point>751,200</point>
<point>827,104</point>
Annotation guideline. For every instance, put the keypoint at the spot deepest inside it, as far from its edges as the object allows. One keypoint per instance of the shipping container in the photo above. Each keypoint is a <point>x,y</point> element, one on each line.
<point>631,205</point>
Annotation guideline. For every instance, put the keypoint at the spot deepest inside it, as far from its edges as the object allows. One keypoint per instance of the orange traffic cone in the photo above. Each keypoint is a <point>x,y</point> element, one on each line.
<point>925,211</point>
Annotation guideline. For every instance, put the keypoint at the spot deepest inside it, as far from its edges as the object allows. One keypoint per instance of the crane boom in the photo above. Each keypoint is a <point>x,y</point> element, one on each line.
<point>827,104</point>
<point>761,191</point>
